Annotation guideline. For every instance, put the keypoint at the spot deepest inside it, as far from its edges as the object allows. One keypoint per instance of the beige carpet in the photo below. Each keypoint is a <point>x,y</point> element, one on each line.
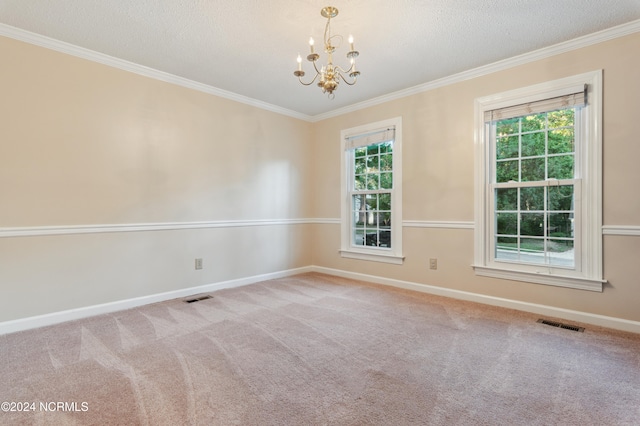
<point>320,350</point>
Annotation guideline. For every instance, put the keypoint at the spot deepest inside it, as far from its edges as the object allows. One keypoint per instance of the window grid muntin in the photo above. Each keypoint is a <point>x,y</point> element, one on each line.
<point>371,225</point>
<point>546,238</point>
<point>520,184</point>
<point>372,178</point>
<point>519,133</point>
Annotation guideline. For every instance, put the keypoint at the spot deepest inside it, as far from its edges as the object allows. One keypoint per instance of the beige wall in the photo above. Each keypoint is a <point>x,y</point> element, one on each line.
<point>86,144</point>
<point>438,179</point>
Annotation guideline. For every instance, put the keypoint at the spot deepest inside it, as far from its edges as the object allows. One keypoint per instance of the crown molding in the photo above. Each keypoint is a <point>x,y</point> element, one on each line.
<point>536,55</point>
<point>577,43</point>
<point>101,58</point>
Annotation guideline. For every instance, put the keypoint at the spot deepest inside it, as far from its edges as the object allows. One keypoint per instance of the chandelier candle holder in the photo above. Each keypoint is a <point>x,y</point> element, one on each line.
<point>329,75</point>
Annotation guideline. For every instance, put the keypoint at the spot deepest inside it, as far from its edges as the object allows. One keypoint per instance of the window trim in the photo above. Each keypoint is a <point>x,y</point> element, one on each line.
<point>589,277</point>
<point>376,254</point>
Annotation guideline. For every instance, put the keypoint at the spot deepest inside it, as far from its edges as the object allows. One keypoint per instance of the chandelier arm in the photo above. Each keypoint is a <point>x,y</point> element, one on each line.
<point>316,68</point>
<point>346,81</point>
<point>342,70</point>
<point>309,83</point>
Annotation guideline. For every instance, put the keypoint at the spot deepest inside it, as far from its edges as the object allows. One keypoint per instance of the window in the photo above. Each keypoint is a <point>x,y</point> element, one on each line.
<point>371,192</point>
<point>538,184</point>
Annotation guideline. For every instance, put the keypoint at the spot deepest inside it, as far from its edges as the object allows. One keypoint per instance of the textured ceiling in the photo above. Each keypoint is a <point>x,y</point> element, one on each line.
<point>249,47</point>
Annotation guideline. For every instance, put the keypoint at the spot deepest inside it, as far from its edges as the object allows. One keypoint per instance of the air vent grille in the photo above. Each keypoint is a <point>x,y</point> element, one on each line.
<point>561,325</point>
<point>197,299</point>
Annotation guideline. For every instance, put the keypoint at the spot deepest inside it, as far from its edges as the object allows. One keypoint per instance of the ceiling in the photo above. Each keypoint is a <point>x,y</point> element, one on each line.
<point>249,47</point>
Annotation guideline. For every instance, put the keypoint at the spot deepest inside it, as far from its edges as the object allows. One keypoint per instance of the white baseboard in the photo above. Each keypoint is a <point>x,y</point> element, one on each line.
<point>120,305</point>
<point>584,317</point>
<point>105,308</point>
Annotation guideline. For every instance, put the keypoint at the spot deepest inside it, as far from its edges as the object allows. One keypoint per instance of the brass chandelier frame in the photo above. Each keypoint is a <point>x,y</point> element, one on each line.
<point>329,75</point>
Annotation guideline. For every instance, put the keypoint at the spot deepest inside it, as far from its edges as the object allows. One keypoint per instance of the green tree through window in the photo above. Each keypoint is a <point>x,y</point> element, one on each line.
<point>534,201</point>
<point>371,198</point>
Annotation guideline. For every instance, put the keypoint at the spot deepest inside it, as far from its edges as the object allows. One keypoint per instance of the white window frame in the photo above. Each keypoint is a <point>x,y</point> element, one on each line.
<point>377,254</point>
<point>587,273</point>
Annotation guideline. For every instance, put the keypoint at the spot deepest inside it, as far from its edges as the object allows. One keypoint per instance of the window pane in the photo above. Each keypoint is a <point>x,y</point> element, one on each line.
<point>385,220</point>
<point>372,149</point>
<point>385,239</point>
<point>534,122</point>
<point>372,202</point>
<point>507,199</point>
<point>361,152</point>
<point>507,147</point>
<point>357,202</point>
<point>373,164</point>
<point>561,253</point>
<point>506,248</point>
<point>560,197</point>
<point>531,250</point>
<point>507,223</point>
<point>532,224</point>
<point>507,171</point>
<point>561,141</point>
<point>507,243</point>
<point>359,212</point>
<point>358,238</point>
<point>561,167</point>
<point>386,162</point>
<point>561,118</point>
<point>532,169</point>
<point>385,201</point>
<point>372,181</point>
<point>532,198</point>
<point>533,144</point>
<point>507,127</point>
<point>371,239</point>
<point>360,182</point>
<point>386,147</point>
<point>560,225</point>
<point>386,180</point>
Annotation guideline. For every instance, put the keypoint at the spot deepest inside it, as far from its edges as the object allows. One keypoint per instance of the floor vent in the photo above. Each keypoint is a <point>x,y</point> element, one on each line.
<point>561,325</point>
<point>197,299</point>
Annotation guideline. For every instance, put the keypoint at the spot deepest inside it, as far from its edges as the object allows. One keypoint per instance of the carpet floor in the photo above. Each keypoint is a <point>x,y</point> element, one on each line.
<point>315,349</point>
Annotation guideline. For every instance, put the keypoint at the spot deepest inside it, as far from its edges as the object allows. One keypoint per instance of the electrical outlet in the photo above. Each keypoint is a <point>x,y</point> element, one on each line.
<point>198,263</point>
<point>433,263</point>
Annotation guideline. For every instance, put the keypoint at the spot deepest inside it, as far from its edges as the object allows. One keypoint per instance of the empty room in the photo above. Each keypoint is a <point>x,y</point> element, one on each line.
<point>289,212</point>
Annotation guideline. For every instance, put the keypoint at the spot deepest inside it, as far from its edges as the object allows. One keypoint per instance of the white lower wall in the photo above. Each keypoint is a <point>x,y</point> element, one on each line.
<point>48,274</point>
<point>105,308</point>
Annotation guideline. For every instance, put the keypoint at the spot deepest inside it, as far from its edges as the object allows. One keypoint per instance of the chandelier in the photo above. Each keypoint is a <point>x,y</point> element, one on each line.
<point>329,75</point>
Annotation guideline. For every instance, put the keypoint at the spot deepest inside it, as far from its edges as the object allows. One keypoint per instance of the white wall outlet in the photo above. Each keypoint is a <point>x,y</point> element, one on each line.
<point>198,263</point>
<point>433,263</point>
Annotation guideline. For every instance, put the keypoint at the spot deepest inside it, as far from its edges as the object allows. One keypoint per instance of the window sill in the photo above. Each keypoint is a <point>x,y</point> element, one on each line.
<point>541,278</point>
<point>372,257</point>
